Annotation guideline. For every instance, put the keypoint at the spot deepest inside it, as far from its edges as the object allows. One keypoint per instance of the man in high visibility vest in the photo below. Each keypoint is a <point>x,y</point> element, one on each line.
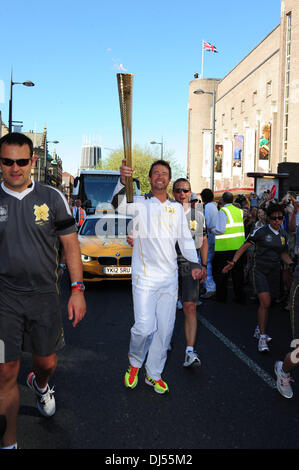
<point>79,213</point>
<point>229,236</point>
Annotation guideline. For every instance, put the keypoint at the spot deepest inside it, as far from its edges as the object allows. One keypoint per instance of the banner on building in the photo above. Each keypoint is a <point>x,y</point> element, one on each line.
<point>265,147</point>
<point>238,151</point>
<point>218,158</point>
<point>227,159</point>
<point>249,150</point>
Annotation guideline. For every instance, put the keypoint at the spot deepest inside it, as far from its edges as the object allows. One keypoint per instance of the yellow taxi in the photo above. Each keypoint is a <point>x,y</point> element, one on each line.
<point>105,252</point>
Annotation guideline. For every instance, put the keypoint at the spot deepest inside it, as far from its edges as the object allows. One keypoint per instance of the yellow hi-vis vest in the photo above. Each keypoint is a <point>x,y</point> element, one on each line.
<point>234,235</point>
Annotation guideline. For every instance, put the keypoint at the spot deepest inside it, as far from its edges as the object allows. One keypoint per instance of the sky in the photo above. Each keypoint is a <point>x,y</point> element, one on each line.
<point>73,50</point>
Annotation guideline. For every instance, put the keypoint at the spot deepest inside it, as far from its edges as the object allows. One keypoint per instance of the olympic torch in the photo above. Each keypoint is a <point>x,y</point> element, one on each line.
<point>125,92</point>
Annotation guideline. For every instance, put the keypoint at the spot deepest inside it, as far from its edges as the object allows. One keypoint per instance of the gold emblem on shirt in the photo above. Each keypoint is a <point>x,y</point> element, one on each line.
<point>193,225</point>
<point>41,213</point>
<point>170,210</point>
<point>283,240</point>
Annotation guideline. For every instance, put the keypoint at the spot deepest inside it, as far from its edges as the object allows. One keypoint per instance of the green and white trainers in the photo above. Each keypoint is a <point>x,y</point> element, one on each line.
<point>159,385</point>
<point>131,377</point>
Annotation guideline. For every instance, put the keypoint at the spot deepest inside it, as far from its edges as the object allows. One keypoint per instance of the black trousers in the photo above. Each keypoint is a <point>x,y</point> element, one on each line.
<point>221,280</point>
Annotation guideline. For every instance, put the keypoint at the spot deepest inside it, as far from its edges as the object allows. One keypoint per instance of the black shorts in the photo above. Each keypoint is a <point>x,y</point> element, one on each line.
<point>266,280</point>
<point>29,323</point>
<point>188,287</point>
<point>294,304</point>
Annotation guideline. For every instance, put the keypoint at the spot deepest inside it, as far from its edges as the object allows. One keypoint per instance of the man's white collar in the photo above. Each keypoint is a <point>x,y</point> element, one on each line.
<point>273,230</point>
<point>16,194</point>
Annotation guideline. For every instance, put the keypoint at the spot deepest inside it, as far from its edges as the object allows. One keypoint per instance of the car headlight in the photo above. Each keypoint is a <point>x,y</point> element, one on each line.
<point>85,258</point>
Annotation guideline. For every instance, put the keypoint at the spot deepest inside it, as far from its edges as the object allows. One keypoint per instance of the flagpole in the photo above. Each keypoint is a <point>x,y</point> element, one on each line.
<point>202,52</point>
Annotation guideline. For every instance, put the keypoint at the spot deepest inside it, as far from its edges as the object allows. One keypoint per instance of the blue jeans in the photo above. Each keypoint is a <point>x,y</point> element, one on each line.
<point>209,284</point>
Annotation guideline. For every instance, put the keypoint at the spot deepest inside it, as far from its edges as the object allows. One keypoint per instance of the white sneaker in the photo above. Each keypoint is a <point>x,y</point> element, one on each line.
<point>45,401</point>
<point>191,359</point>
<point>262,344</point>
<point>283,382</point>
<point>257,334</point>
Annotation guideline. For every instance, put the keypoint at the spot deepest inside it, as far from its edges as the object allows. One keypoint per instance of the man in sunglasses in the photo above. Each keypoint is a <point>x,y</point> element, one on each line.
<point>189,287</point>
<point>271,246</point>
<point>34,220</point>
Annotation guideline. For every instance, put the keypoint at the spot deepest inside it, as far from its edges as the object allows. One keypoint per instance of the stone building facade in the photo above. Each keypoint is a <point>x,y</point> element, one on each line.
<point>256,113</point>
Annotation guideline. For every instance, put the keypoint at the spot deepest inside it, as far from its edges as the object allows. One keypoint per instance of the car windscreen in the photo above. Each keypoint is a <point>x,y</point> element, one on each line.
<point>110,227</point>
<point>98,188</point>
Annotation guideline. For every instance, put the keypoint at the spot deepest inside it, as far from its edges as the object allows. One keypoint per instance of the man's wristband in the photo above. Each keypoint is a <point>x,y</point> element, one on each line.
<point>78,286</point>
<point>80,289</point>
<point>204,265</point>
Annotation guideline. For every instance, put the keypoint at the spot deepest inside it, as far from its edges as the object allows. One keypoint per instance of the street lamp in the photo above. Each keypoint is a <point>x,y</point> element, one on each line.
<point>46,154</point>
<point>159,143</point>
<point>201,92</point>
<point>27,83</point>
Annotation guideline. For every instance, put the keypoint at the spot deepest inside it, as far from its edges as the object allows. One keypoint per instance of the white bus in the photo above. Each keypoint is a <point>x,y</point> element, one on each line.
<point>95,188</point>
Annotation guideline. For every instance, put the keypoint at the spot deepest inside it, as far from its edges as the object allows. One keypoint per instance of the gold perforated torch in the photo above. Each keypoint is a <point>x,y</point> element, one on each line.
<point>125,92</point>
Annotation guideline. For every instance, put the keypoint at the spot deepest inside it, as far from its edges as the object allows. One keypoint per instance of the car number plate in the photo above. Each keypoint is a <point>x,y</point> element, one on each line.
<point>117,270</point>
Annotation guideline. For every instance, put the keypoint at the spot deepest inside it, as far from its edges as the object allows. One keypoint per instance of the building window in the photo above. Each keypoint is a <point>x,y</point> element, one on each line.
<point>269,88</point>
<point>287,87</point>
<point>222,119</point>
<point>254,98</point>
<point>232,113</point>
<point>242,106</point>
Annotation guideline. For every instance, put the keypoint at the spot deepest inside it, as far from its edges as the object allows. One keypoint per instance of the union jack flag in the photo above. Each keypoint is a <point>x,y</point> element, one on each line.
<point>207,46</point>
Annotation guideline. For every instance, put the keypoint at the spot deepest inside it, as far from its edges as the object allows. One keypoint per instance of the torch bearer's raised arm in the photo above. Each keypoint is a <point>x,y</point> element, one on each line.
<point>125,92</point>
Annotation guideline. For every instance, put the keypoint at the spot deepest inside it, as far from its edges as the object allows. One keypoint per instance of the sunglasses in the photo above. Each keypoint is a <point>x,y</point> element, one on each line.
<point>179,190</point>
<point>10,162</point>
<point>278,217</point>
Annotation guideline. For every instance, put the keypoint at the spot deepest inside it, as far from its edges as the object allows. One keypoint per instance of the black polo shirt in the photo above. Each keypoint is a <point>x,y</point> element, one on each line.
<point>30,225</point>
<point>268,246</point>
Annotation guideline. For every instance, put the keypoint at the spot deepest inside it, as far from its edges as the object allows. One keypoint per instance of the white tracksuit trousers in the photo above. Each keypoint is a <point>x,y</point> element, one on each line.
<point>154,314</point>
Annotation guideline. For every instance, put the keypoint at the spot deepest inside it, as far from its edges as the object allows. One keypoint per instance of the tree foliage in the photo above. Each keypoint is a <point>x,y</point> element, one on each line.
<point>142,160</point>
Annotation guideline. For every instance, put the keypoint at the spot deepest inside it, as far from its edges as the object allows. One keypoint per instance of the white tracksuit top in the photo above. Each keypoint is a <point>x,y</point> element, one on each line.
<point>156,229</point>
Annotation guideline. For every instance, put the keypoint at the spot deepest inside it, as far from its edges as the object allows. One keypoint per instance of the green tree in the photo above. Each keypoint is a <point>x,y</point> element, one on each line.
<point>142,160</point>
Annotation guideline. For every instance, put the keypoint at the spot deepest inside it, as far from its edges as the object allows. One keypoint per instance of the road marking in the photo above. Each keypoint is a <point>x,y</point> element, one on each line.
<point>249,362</point>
